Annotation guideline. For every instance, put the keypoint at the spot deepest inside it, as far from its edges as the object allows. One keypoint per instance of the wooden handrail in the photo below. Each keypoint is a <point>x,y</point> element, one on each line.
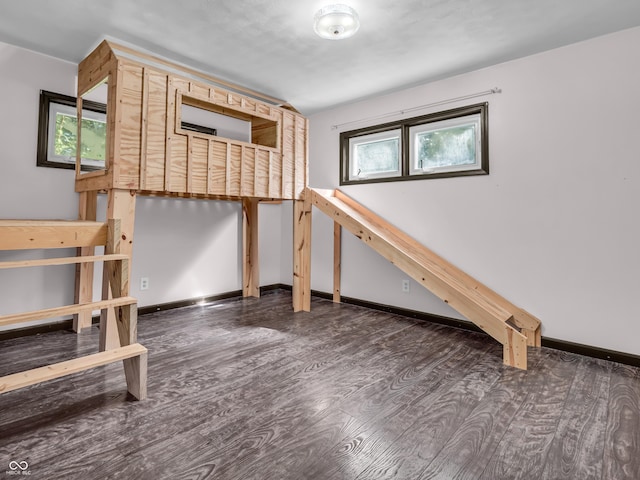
<point>61,369</point>
<point>66,310</point>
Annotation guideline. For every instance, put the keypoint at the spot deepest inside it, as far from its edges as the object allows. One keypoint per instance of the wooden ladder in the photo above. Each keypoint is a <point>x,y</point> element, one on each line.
<point>513,327</point>
<point>49,234</point>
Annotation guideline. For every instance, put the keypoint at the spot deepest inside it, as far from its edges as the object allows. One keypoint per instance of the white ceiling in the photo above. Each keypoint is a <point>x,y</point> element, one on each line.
<point>270,46</point>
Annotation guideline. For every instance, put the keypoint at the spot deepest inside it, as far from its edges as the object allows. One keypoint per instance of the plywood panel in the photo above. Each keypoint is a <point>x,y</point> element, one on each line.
<point>130,127</point>
<point>275,175</point>
<point>248,171</point>
<point>234,169</point>
<point>220,97</point>
<point>288,154</point>
<point>300,155</point>
<point>198,164</point>
<point>263,109</point>
<point>26,234</point>
<point>180,83</point>
<point>218,168</point>
<point>178,167</point>
<point>233,99</point>
<point>199,89</point>
<point>156,131</point>
<point>249,105</point>
<point>261,183</point>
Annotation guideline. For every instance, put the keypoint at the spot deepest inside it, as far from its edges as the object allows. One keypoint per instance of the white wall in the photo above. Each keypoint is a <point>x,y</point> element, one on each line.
<point>554,227</point>
<point>187,248</point>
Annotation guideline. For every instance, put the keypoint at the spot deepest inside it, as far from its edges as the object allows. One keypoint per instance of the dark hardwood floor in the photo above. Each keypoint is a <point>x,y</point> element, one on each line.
<point>245,389</point>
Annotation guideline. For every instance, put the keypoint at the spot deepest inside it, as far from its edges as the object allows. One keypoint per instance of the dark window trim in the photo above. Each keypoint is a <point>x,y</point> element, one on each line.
<point>192,127</point>
<point>46,98</point>
<point>481,108</point>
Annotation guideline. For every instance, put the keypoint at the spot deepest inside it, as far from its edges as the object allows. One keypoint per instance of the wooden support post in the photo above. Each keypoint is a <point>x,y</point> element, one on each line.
<point>117,275</point>
<point>515,349</point>
<point>534,337</point>
<point>302,254</point>
<point>250,258</point>
<point>337,258</point>
<point>121,206</point>
<point>84,271</point>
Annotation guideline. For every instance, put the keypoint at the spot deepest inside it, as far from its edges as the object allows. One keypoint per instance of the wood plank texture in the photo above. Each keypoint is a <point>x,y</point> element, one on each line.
<point>83,288</point>
<point>69,367</point>
<point>148,150</point>
<point>301,255</point>
<point>65,310</point>
<point>43,262</point>
<point>252,391</point>
<point>27,234</point>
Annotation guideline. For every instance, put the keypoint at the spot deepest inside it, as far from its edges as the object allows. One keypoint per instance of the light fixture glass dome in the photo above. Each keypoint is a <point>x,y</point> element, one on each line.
<point>336,22</point>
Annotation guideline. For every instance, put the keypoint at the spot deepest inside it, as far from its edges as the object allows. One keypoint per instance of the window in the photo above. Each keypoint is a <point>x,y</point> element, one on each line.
<point>57,132</point>
<point>376,155</point>
<point>444,144</point>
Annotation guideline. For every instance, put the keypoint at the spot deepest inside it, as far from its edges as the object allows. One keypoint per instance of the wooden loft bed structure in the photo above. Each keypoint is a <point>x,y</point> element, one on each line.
<point>148,152</point>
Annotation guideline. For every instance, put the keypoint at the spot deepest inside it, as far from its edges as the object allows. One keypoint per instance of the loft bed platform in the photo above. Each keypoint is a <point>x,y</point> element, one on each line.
<point>149,151</point>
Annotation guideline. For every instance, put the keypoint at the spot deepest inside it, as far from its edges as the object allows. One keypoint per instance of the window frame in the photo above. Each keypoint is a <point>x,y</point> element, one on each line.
<point>377,136</point>
<point>43,158</point>
<point>406,161</point>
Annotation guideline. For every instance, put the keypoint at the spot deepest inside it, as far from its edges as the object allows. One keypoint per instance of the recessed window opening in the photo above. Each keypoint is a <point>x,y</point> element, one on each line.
<point>444,144</point>
<point>210,119</point>
<point>196,119</point>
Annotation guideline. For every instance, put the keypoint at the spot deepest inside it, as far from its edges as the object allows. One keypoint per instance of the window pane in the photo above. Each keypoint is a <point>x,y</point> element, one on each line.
<point>94,133</point>
<point>446,147</point>
<point>94,139</point>
<point>63,136</point>
<point>451,145</point>
<point>377,157</point>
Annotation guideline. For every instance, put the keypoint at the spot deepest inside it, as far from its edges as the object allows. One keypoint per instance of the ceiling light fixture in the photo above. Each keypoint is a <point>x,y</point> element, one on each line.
<point>336,22</point>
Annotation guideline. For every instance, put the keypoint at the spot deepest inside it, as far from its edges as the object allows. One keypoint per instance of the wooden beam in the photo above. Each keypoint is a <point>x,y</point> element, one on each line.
<point>62,311</point>
<point>32,234</point>
<point>121,205</point>
<point>302,255</point>
<point>125,317</point>
<point>337,260</point>
<point>515,350</point>
<point>44,262</point>
<point>250,254</point>
<point>88,206</point>
<point>57,370</point>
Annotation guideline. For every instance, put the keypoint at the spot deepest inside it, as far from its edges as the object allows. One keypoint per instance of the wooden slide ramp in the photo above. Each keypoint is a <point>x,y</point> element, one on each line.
<point>513,327</point>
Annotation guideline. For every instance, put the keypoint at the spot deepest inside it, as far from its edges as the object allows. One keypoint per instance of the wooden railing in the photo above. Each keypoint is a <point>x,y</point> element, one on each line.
<point>48,234</point>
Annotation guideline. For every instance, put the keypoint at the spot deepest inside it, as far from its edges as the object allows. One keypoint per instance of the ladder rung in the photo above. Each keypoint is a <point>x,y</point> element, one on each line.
<point>57,370</point>
<point>66,310</point>
<point>63,260</point>
<point>35,234</point>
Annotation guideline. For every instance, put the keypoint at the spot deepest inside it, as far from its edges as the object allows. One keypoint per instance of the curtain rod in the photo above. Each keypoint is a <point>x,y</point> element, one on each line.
<point>412,109</point>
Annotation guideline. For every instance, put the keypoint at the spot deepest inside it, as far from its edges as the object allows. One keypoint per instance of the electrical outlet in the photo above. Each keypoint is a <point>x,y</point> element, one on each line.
<point>406,286</point>
<point>144,283</point>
